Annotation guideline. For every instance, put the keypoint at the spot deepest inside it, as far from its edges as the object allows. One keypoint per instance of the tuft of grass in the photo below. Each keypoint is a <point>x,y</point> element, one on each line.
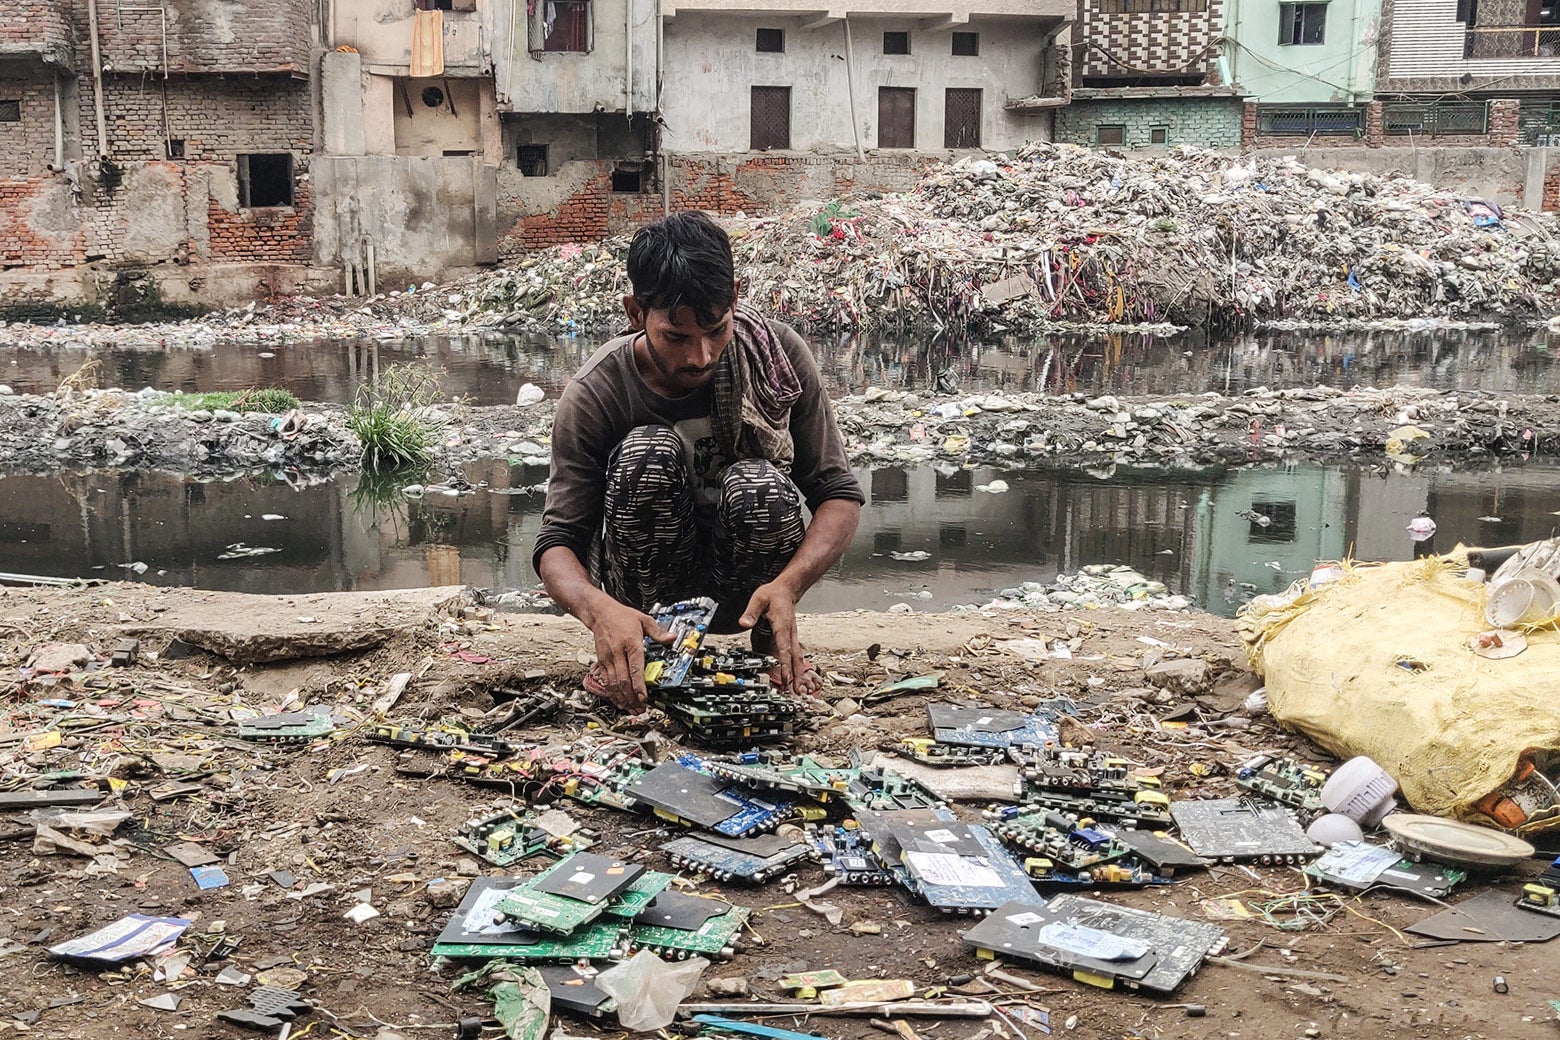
<point>269,400</point>
<point>392,422</point>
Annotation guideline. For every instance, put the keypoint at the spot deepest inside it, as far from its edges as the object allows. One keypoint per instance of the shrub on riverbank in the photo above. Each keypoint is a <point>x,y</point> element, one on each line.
<point>395,421</point>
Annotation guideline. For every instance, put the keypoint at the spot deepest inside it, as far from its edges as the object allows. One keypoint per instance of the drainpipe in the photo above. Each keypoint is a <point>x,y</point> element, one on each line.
<point>1232,56</point>
<point>97,81</point>
<point>1354,38</point>
<point>59,124</point>
<point>850,86</point>
<point>660,126</point>
<point>628,58</point>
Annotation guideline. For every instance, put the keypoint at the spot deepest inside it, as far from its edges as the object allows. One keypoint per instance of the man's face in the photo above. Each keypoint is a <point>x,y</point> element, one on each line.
<point>681,350</point>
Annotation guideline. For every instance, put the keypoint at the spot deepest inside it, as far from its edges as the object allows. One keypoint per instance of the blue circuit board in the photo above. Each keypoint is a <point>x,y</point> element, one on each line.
<point>724,863</point>
<point>680,791</point>
<point>847,854</point>
<point>956,878</point>
<point>667,664</point>
<point>990,727</point>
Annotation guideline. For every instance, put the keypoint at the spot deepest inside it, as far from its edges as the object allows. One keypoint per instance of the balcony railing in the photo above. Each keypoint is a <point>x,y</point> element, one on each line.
<point>1518,41</point>
<point>1539,124</point>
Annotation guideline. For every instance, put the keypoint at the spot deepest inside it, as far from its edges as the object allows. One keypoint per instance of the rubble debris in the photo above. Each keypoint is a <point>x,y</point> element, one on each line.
<point>1097,585</point>
<point>1090,800</point>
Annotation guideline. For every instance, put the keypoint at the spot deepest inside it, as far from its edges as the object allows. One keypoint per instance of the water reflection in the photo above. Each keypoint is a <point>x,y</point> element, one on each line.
<point>488,369</point>
<point>1192,531</point>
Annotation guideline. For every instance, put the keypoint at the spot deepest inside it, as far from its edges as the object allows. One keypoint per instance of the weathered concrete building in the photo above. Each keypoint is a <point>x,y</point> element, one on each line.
<point>169,135</point>
<point>763,104</point>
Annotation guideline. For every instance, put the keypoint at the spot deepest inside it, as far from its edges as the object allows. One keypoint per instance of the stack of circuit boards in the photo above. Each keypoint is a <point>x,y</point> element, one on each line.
<point>720,698</point>
<point>588,907</point>
<point>1085,784</point>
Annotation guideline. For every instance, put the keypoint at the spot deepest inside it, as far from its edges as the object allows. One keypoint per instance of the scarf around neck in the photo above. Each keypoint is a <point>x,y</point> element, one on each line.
<point>754,388</point>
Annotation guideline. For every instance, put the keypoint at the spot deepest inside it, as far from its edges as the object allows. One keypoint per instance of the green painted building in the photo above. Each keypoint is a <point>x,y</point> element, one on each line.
<point>1309,67</point>
<point>1146,117</point>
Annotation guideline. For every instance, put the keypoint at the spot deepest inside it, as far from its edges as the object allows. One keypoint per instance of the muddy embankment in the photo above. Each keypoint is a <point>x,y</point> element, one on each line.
<point>112,428</point>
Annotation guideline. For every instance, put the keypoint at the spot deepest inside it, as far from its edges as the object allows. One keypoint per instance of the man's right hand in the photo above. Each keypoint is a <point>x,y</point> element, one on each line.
<point>620,633</point>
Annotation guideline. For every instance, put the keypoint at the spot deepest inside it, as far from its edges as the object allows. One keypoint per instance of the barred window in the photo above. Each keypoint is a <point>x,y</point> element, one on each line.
<point>770,119</point>
<point>1301,24</point>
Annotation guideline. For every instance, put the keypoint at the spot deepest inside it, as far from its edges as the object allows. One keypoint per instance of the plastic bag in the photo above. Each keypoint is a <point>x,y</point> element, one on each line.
<point>1377,664</point>
<point>649,989</point>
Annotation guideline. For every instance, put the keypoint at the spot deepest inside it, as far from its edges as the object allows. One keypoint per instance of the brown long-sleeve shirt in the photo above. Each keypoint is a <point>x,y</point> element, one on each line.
<point>608,397</point>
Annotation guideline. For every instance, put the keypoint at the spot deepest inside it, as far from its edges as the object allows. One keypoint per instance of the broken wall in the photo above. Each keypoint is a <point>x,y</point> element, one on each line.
<point>578,204</point>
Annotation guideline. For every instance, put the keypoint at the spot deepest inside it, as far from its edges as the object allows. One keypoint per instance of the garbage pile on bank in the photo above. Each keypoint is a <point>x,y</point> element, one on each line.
<point>93,428</point>
<point>1062,234</point>
<point>1097,585</point>
<point>1010,821</point>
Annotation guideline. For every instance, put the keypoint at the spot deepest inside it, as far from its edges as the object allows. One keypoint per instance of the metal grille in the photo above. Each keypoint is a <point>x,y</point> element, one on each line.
<point>961,118</point>
<point>896,117</point>
<point>1436,119</point>
<point>1539,123</point>
<point>1304,122</point>
<point>770,118</point>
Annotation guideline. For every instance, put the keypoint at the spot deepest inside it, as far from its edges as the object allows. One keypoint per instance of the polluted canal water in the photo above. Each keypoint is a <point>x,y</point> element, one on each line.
<point>930,538</point>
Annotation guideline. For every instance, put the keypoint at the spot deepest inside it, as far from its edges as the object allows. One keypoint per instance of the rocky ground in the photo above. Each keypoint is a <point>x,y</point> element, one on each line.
<point>360,816</point>
<point>95,428</point>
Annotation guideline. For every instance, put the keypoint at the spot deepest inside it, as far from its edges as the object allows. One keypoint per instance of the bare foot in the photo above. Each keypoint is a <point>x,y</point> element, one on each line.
<point>808,684</point>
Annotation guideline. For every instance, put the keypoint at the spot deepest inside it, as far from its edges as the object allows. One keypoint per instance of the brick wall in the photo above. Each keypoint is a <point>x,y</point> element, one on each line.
<point>216,118</point>
<point>1204,122</point>
<point>203,35</point>
<point>38,27</point>
<point>27,147</point>
<point>590,210</point>
<point>1164,42</point>
<point>26,245</point>
<point>262,235</point>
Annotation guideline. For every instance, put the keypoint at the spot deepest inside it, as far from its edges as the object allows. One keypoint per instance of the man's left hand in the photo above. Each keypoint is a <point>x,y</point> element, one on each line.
<point>777,602</point>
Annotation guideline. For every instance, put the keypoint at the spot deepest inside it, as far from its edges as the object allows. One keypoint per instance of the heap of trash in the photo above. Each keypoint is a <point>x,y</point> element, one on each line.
<point>1097,585</point>
<point>1062,235</point>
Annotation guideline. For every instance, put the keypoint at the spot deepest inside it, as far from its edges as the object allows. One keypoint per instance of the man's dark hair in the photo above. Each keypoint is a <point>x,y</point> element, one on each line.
<point>683,260</point>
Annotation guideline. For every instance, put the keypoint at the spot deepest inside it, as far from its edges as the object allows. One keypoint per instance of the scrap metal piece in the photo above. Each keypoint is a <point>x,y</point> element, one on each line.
<point>1241,829</point>
<point>1100,944</point>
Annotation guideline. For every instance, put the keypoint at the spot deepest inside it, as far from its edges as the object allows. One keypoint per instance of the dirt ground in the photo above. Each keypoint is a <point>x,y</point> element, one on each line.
<point>346,812</point>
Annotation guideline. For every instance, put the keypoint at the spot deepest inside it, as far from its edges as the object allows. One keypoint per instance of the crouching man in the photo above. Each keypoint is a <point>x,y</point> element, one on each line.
<point>683,453</point>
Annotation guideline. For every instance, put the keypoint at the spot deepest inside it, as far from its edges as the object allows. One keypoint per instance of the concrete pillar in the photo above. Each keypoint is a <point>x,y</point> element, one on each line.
<point>1533,183</point>
<point>342,76</point>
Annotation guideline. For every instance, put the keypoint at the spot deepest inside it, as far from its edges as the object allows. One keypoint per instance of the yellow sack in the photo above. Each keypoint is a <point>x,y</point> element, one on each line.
<point>1378,663</point>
